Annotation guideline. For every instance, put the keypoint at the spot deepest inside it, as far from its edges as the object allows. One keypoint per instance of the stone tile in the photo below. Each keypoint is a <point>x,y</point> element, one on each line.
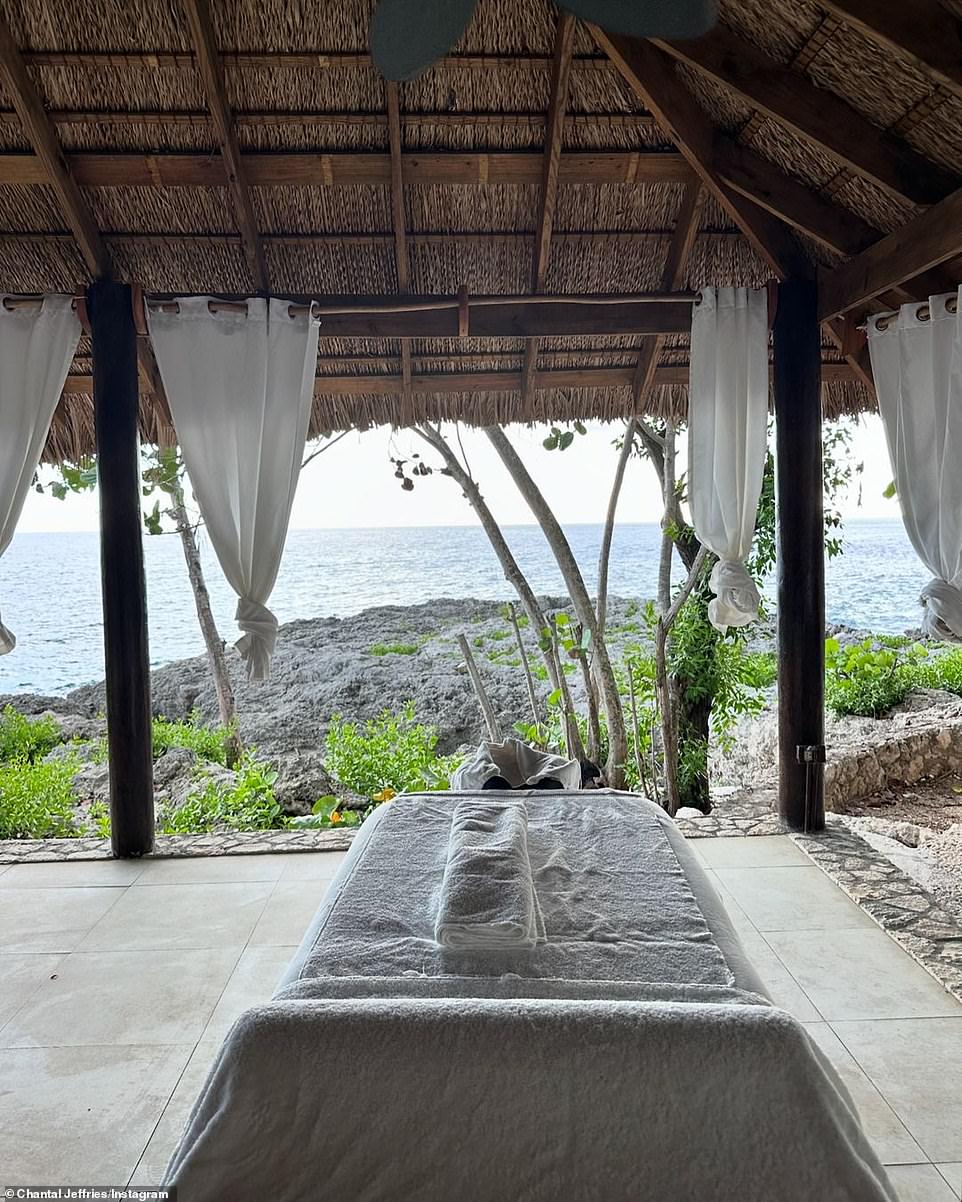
<point>140,998</point>
<point>181,916</point>
<point>152,1165</point>
<point>72,873</point>
<point>782,987</point>
<point>82,1114</point>
<point>953,1175</point>
<point>861,974</point>
<point>791,899</point>
<point>916,1063</point>
<point>772,851</point>
<point>21,975</point>
<point>885,1130</point>
<point>51,920</point>
<point>197,870</point>
<point>252,982</point>
<point>312,866</point>
<point>739,919</point>
<point>919,1183</point>
<point>288,913</point>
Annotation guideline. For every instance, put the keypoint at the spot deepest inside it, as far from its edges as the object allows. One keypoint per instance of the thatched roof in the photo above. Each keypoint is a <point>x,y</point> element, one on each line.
<point>126,98</point>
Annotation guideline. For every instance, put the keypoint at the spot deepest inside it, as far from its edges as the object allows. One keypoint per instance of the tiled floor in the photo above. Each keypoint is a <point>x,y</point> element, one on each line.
<point>118,982</point>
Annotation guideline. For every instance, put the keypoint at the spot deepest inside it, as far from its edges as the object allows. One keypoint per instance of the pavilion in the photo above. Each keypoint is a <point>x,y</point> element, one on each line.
<point>515,236</point>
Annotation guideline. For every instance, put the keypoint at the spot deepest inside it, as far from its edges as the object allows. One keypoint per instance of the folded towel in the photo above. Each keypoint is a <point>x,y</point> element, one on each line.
<point>488,901</point>
<point>519,766</point>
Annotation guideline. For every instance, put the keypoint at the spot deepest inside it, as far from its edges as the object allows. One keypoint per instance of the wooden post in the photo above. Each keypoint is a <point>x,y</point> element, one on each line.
<point>801,557</point>
<point>116,403</point>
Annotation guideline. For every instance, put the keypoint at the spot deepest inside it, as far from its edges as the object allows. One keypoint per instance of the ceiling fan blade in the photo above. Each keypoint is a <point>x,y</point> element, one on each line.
<point>648,18</point>
<point>408,36</point>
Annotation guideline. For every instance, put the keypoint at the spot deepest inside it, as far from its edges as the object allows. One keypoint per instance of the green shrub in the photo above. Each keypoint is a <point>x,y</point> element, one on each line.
<point>943,671</point>
<point>760,669</point>
<point>247,805</point>
<point>394,649</point>
<point>328,814</point>
<point>391,752</point>
<point>23,738</point>
<point>868,678</point>
<point>207,742</point>
<point>37,799</point>
<point>99,816</point>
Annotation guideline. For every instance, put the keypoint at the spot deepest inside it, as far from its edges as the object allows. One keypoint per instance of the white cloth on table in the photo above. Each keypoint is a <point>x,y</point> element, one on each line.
<point>727,439</point>
<point>37,344</point>
<point>519,763</point>
<point>241,387</point>
<point>917,365</point>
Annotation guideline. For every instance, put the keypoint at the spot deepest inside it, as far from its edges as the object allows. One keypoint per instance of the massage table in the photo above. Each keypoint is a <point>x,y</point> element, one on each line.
<point>632,1056</point>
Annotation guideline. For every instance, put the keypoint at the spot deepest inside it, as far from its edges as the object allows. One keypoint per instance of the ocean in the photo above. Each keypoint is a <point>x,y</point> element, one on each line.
<point>50,585</point>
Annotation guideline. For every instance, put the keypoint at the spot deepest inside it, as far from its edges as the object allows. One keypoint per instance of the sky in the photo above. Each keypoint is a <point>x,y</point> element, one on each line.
<point>352,483</point>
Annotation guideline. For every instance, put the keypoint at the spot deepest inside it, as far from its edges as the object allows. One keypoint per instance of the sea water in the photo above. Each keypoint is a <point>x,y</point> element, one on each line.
<point>50,585</point>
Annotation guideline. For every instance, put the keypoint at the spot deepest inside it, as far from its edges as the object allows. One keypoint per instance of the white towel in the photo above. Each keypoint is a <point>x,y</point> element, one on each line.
<point>488,900</point>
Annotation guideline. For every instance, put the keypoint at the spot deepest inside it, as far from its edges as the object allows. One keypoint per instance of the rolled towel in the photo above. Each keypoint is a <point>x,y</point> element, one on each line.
<point>488,901</point>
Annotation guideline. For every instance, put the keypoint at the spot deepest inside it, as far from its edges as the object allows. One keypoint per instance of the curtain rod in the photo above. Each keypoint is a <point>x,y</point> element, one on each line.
<point>922,313</point>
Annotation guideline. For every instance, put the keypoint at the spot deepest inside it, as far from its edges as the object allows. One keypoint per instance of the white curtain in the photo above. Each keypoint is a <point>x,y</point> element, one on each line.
<point>240,387</point>
<point>917,364</point>
<point>37,344</point>
<point>727,437</point>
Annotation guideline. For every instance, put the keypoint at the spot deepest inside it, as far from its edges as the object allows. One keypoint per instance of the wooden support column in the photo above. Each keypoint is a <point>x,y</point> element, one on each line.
<point>116,403</point>
<point>801,557</point>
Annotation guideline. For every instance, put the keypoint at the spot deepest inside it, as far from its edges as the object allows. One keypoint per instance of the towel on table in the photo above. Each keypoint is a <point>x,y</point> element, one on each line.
<point>521,765</point>
<point>488,900</point>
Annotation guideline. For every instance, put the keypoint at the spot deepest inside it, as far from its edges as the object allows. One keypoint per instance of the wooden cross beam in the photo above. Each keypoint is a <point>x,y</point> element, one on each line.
<point>211,72</point>
<point>794,101</point>
<point>554,125</point>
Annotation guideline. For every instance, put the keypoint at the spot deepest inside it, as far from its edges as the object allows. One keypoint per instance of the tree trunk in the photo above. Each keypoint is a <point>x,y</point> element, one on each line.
<point>212,640</point>
<point>604,557</point>
<point>584,610</point>
<point>480,692</point>
<point>512,573</point>
<point>528,678</point>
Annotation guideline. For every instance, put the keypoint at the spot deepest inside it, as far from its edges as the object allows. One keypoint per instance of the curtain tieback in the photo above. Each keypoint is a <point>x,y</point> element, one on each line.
<point>260,634</point>
<point>942,603</point>
<point>736,598</point>
<point>8,640</point>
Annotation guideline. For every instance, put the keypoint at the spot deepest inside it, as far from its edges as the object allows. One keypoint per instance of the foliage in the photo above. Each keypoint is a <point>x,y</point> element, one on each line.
<point>942,671</point>
<point>37,798</point>
<point>99,815</point>
<point>868,678</point>
<point>207,742</point>
<point>329,813</point>
<point>761,669</point>
<point>392,751</point>
<point>560,440</point>
<point>248,804</point>
<point>24,738</point>
<point>394,649</point>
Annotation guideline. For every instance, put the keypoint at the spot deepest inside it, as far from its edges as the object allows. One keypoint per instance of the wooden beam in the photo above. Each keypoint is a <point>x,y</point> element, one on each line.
<point>399,217</point>
<point>208,64</point>
<point>255,118</point>
<point>307,60</point>
<point>924,243</point>
<point>924,30</point>
<point>49,158</point>
<point>126,659</point>
<point>554,129</point>
<point>277,169</point>
<point>801,557</point>
<point>493,381</point>
<point>672,277</point>
<point>651,76</point>
<point>794,101</point>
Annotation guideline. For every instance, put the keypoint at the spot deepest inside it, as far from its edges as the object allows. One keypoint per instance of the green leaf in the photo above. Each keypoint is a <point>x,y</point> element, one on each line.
<point>562,620</point>
<point>566,440</point>
<point>585,640</point>
<point>550,443</point>
<point>889,491</point>
<point>580,428</point>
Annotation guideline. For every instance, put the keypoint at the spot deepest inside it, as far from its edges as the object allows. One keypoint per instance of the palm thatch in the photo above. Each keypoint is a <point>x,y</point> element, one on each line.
<point>122,81</point>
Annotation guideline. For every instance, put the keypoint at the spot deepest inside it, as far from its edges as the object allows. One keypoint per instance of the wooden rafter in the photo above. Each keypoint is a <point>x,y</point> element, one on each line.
<point>924,30</point>
<point>83,227</point>
<point>554,127</point>
<point>650,75</point>
<point>818,115</point>
<point>923,244</point>
<point>49,157</point>
<point>210,69</point>
<point>307,60</point>
<point>401,257</point>
<point>673,276</point>
<point>275,169</point>
<point>490,381</point>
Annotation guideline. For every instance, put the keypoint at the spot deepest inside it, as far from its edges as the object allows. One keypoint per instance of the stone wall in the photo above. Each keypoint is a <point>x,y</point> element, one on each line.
<point>921,738</point>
